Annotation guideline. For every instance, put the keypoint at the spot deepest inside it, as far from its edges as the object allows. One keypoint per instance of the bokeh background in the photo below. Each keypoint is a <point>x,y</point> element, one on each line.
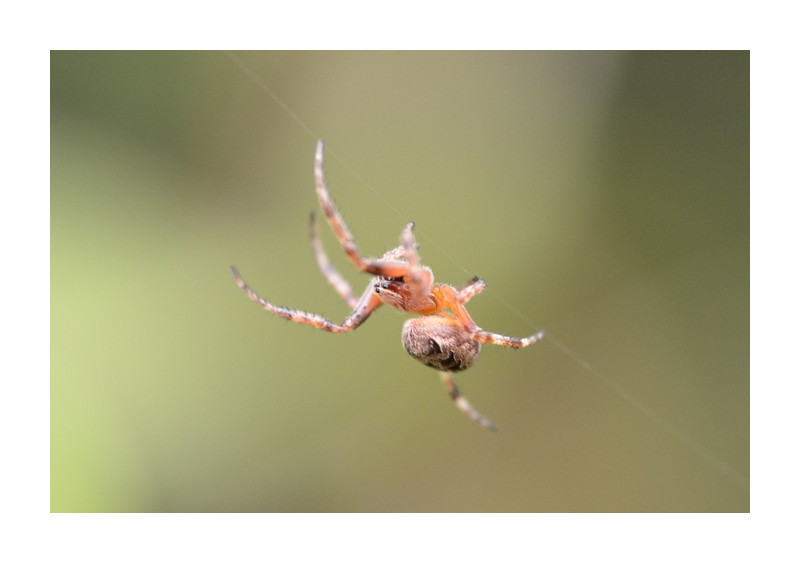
<point>604,196</point>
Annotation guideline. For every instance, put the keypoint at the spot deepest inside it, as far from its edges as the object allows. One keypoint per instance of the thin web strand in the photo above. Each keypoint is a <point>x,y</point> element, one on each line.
<point>698,449</point>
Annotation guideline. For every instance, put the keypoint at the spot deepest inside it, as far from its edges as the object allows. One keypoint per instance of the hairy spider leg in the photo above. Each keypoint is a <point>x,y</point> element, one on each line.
<point>507,341</point>
<point>334,278</point>
<point>454,299</point>
<point>462,403</point>
<point>388,268</point>
<point>419,279</point>
<point>470,289</point>
<point>368,302</point>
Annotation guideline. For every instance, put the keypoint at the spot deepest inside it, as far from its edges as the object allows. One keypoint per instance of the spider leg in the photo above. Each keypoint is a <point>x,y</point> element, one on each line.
<point>470,289</point>
<point>462,403</point>
<point>391,269</point>
<point>419,279</point>
<point>393,255</point>
<point>409,245</point>
<point>507,341</point>
<point>334,278</point>
<point>368,302</point>
<point>455,299</point>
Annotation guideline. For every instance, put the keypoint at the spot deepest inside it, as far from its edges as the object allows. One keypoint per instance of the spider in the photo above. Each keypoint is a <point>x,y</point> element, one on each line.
<point>444,337</point>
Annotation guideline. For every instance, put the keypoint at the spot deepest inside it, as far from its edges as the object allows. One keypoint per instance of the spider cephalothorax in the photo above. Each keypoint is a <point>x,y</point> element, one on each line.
<point>445,337</point>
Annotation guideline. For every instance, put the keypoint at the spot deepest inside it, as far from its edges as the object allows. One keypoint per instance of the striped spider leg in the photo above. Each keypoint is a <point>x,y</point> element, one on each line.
<point>364,307</point>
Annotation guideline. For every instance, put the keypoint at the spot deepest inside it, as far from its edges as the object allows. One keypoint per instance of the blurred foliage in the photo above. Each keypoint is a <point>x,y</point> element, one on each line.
<point>603,196</point>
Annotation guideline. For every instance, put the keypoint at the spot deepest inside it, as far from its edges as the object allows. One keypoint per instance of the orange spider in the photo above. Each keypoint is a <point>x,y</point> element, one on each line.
<point>446,341</point>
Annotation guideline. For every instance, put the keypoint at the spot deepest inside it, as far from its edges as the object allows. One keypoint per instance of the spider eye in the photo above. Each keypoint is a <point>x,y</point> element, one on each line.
<point>387,279</point>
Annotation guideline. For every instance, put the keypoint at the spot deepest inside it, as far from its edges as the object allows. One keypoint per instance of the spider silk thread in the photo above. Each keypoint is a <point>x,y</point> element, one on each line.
<point>698,449</point>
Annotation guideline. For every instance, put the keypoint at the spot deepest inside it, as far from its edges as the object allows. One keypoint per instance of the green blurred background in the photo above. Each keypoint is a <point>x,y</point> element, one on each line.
<point>603,196</point>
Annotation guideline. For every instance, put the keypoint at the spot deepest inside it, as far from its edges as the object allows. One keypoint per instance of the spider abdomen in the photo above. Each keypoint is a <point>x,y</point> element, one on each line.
<point>439,341</point>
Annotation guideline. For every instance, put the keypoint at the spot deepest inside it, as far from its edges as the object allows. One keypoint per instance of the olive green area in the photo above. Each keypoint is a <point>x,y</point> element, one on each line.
<point>604,197</point>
